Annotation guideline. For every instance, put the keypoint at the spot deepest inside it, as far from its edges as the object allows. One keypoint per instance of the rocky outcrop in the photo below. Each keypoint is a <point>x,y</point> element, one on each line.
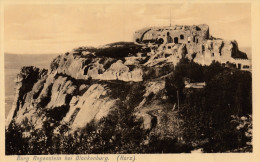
<point>94,104</point>
<point>86,84</point>
<point>117,71</point>
<point>55,98</point>
<point>26,81</point>
<point>97,68</point>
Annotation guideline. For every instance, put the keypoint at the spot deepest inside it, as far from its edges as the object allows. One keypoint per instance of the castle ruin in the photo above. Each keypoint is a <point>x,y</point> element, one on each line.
<point>201,47</point>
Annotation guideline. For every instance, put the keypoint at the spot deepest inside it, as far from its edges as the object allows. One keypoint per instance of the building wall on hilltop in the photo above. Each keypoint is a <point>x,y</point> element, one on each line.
<point>178,33</point>
<point>196,38</point>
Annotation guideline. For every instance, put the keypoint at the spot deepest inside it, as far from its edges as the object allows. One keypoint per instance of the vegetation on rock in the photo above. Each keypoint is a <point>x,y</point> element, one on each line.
<point>94,101</point>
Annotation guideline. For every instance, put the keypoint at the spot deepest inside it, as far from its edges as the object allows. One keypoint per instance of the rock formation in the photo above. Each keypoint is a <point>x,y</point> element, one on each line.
<point>201,46</point>
<point>85,84</point>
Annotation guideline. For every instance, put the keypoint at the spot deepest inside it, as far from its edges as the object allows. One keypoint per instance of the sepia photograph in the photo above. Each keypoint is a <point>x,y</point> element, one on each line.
<point>127,78</point>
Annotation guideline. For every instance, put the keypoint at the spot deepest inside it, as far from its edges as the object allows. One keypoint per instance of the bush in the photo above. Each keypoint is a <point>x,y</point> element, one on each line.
<point>117,50</point>
<point>124,135</point>
<point>206,113</point>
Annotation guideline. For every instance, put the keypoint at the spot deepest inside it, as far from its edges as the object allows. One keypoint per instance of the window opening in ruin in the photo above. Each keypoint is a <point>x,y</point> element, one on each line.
<point>197,40</point>
<point>181,36</point>
<point>194,39</point>
<point>188,39</point>
<point>245,67</point>
<point>239,66</point>
<point>160,41</point>
<point>169,47</point>
<point>212,54</point>
<point>169,38</point>
<point>175,39</point>
<point>100,71</point>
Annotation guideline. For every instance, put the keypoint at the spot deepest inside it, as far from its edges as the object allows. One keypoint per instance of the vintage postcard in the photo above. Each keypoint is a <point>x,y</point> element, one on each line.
<point>129,81</point>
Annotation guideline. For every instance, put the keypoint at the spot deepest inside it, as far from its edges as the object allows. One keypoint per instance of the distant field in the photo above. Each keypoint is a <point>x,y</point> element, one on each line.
<point>13,64</point>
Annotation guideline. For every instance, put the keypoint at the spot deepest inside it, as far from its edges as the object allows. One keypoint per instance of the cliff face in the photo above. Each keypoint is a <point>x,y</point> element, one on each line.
<point>86,84</point>
<point>222,51</point>
<point>60,99</point>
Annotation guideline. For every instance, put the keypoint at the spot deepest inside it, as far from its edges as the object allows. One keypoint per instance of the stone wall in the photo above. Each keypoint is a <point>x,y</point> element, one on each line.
<point>178,33</point>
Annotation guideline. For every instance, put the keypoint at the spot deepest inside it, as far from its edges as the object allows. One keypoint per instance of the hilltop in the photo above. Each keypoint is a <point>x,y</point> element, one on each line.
<point>130,97</point>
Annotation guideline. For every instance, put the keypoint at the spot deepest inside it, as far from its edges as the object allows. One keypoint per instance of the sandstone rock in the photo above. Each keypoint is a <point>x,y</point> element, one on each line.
<point>24,83</point>
<point>182,51</point>
<point>90,106</point>
<point>76,91</point>
<point>119,71</point>
<point>62,90</point>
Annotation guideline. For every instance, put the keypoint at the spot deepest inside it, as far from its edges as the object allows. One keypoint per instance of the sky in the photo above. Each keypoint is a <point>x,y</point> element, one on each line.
<point>58,28</point>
